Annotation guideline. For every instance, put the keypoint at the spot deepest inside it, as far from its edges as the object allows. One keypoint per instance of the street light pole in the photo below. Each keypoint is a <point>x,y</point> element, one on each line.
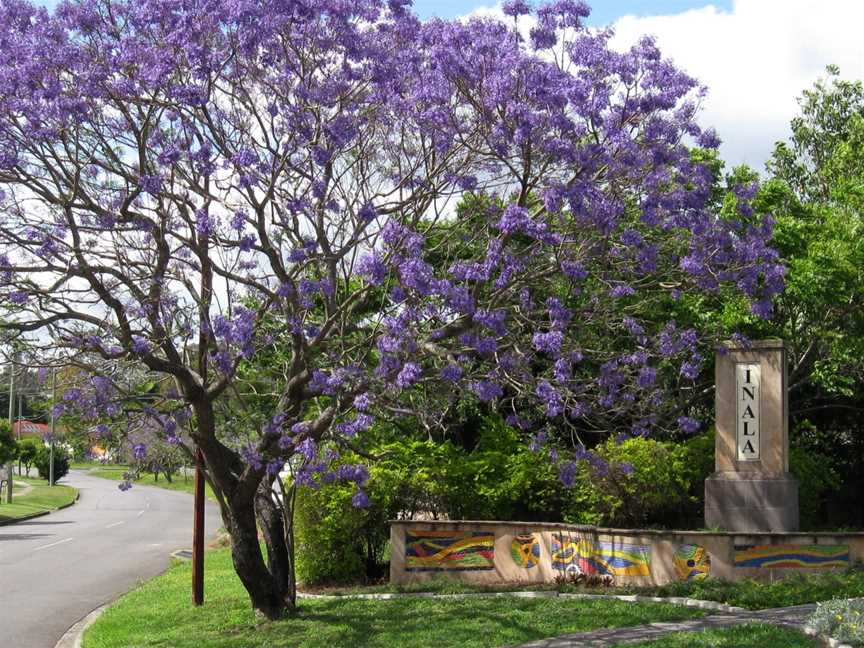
<point>11,424</point>
<point>51,451</point>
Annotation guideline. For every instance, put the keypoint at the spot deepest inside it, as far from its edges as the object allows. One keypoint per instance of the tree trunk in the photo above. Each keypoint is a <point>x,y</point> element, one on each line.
<point>279,552</point>
<point>266,591</point>
<point>245,500</point>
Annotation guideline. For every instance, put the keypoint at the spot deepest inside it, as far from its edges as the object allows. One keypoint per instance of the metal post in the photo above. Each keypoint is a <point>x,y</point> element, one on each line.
<point>51,451</point>
<point>198,533</point>
<point>11,423</point>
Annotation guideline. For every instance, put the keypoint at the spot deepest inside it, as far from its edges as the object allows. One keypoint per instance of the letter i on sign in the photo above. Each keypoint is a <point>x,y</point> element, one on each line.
<point>747,384</point>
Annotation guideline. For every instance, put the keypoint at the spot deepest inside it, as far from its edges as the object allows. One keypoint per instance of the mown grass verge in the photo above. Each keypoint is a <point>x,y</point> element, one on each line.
<point>751,636</point>
<point>116,472</point>
<point>40,499</point>
<point>159,613</point>
<point>795,589</point>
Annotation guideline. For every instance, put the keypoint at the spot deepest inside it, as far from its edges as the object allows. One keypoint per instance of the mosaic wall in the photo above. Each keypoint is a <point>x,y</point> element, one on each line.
<point>449,551</point>
<point>525,550</point>
<point>692,562</point>
<point>792,556</point>
<point>580,555</point>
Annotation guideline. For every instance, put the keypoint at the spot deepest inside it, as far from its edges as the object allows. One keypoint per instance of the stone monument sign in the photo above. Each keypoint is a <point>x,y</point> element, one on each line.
<point>751,488</point>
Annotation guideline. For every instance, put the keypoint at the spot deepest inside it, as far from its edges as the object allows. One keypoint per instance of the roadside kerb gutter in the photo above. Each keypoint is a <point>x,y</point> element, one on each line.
<point>37,514</point>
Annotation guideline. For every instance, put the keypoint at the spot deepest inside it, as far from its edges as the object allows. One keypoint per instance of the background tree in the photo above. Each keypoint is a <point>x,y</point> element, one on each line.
<point>190,186</point>
<point>27,450</point>
<point>8,444</point>
<point>43,462</point>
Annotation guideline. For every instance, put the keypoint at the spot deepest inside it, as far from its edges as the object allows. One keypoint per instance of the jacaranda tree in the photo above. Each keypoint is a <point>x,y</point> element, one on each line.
<point>187,184</point>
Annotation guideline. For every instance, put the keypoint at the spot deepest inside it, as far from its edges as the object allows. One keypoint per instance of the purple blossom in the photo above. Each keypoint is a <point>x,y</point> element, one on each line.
<point>360,500</point>
<point>647,376</point>
<point>409,374</point>
<point>252,457</point>
<point>451,373</point>
<point>373,269</point>
<point>363,402</point>
<point>567,471</point>
<point>274,466</point>
<point>515,8</point>
<point>360,424</point>
<point>687,424</point>
<point>549,343</point>
<point>487,390</point>
<point>367,213</point>
<point>551,398</point>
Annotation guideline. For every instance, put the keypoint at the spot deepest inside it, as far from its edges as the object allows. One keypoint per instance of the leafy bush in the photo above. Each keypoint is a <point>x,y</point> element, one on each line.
<point>28,449</point>
<point>840,619</point>
<point>497,479</point>
<point>326,533</point>
<point>61,462</point>
<point>642,482</point>
<point>8,446</point>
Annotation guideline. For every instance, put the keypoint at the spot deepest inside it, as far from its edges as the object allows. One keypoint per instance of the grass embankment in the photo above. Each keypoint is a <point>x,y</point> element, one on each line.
<point>795,589</point>
<point>39,499</point>
<point>159,614</point>
<point>116,471</point>
<point>752,636</point>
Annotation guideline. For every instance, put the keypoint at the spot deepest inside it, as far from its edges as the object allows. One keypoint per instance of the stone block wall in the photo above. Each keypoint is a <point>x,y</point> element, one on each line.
<point>536,552</point>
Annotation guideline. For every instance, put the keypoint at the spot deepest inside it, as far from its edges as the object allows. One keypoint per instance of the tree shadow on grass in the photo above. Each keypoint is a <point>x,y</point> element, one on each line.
<point>411,623</point>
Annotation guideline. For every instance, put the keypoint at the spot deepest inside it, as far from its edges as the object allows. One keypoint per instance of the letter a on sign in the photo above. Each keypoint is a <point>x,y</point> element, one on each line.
<point>747,392</point>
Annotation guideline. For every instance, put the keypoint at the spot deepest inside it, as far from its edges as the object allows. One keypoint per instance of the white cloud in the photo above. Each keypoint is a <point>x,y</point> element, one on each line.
<point>755,59</point>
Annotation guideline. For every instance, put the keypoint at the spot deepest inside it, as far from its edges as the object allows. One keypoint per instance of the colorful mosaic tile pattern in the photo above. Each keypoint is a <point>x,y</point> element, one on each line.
<point>449,551</point>
<point>692,562</point>
<point>574,554</point>
<point>525,550</point>
<point>792,556</point>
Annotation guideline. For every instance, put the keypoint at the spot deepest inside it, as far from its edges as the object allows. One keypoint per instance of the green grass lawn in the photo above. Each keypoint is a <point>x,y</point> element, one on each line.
<point>795,589</point>
<point>751,636</point>
<point>159,614</point>
<point>41,498</point>
<point>115,471</point>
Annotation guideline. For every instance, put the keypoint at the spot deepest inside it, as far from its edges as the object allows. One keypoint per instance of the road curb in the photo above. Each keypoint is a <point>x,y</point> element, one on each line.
<point>74,636</point>
<point>30,516</point>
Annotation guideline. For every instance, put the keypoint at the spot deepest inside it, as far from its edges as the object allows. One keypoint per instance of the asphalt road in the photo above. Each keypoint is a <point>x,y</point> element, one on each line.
<point>56,568</point>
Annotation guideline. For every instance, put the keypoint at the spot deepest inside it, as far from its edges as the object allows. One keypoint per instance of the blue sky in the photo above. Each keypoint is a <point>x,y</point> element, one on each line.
<point>602,11</point>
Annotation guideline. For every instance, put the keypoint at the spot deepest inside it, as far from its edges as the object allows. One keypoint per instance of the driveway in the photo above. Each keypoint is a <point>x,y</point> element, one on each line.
<point>57,568</point>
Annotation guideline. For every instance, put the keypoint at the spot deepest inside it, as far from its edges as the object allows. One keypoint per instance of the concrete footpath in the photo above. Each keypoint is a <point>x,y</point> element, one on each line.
<point>793,617</point>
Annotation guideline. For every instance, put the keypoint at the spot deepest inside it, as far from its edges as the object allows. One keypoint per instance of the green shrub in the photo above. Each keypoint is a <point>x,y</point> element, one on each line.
<point>642,482</point>
<point>497,479</point>
<point>327,536</point>
<point>61,462</point>
<point>8,446</point>
<point>28,449</point>
<point>840,619</point>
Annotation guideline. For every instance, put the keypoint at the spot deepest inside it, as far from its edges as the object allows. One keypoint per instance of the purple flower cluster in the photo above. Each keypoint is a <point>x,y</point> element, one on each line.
<point>332,161</point>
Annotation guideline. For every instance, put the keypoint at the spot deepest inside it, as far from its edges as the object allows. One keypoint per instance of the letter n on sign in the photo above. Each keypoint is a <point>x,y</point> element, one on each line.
<point>747,390</point>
